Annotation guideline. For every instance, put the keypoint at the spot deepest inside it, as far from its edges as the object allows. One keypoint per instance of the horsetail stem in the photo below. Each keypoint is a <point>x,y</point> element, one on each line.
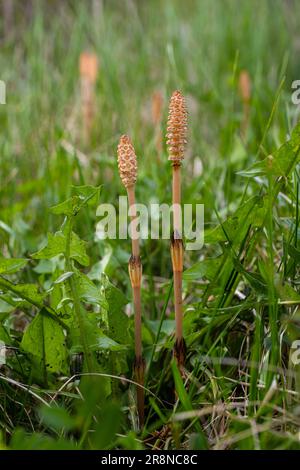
<point>176,140</point>
<point>127,163</point>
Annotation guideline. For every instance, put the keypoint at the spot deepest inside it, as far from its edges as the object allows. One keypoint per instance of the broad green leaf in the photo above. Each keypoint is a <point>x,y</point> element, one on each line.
<point>56,245</point>
<point>104,342</point>
<point>207,268</point>
<point>117,319</point>
<point>87,194</point>
<point>45,266</point>
<point>29,292</point>
<point>82,195</point>
<point>44,339</point>
<point>17,294</point>
<point>12,265</point>
<point>88,291</point>
<point>100,266</point>
<point>85,329</point>
<point>66,207</point>
<point>78,250</point>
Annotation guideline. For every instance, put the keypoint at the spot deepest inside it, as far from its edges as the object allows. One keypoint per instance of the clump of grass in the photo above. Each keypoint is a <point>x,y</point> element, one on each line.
<point>176,140</point>
<point>88,68</point>
<point>127,163</point>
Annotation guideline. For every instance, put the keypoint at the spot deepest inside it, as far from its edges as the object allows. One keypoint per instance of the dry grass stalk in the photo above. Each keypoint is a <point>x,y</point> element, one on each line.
<point>127,163</point>
<point>245,93</point>
<point>176,140</point>
<point>88,68</point>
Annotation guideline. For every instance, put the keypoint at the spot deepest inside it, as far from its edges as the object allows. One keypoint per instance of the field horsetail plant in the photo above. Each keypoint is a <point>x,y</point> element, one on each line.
<point>127,163</point>
<point>176,140</point>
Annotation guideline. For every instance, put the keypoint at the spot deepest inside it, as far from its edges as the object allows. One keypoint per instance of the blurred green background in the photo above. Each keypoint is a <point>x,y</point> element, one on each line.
<point>142,47</point>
